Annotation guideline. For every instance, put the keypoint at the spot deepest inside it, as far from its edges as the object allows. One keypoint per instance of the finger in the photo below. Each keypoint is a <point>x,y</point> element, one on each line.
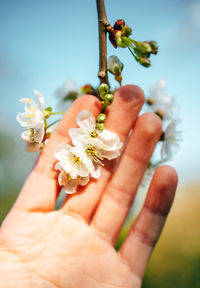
<point>121,190</point>
<point>41,188</point>
<point>121,116</point>
<point>144,234</point>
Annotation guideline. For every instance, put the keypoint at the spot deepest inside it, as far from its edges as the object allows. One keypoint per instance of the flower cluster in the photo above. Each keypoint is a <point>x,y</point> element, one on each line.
<point>119,36</point>
<point>84,160</point>
<point>34,119</point>
<point>161,104</point>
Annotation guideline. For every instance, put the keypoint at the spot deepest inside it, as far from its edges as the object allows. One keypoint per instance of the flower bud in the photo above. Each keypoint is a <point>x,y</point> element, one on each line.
<point>144,47</point>
<point>87,89</point>
<point>126,30</point>
<point>112,38</point>
<point>150,101</point>
<point>154,47</point>
<point>114,65</point>
<point>100,126</point>
<point>143,61</point>
<point>160,113</point>
<point>103,90</point>
<point>101,117</point>
<point>109,98</point>
<point>140,54</point>
<point>119,24</point>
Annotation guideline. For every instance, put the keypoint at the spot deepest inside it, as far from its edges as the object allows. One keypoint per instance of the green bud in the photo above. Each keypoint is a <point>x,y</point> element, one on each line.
<point>140,54</point>
<point>116,70</point>
<point>103,89</point>
<point>114,65</point>
<point>109,98</point>
<point>145,62</point>
<point>154,47</point>
<point>144,47</point>
<point>100,126</point>
<point>47,112</point>
<point>104,105</point>
<point>101,117</point>
<point>87,89</point>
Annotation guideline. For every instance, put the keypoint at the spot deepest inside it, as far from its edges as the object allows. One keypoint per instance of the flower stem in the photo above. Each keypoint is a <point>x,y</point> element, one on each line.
<point>131,52</point>
<point>53,123</point>
<point>103,22</point>
<point>55,113</point>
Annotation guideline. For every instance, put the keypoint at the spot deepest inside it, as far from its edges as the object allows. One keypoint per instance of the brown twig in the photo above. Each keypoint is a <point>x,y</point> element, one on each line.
<point>103,23</point>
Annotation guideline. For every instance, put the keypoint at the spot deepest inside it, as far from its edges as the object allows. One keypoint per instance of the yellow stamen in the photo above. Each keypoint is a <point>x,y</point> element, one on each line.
<point>94,154</point>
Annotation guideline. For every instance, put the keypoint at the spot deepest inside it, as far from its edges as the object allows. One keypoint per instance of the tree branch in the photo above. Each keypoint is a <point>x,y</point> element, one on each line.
<point>103,22</point>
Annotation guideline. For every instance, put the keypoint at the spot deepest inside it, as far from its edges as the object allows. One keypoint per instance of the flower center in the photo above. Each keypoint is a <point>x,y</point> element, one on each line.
<point>76,159</point>
<point>93,134</point>
<point>94,154</point>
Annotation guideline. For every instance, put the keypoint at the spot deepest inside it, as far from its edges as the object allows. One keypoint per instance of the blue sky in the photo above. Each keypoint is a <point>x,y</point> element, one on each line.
<point>46,42</point>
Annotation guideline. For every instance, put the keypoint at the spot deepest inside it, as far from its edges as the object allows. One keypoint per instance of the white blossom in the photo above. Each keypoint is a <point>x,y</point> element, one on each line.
<point>69,184</point>
<point>97,144</point>
<point>33,118</point>
<point>74,161</point>
<point>171,141</point>
<point>159,102</point>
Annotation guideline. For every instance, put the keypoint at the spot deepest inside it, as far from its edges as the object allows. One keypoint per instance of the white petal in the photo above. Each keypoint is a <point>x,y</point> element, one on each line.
<point>162,151</point>
<point>110,139</point>
<point>77,135</point>
<point>97,171</point>
<point>110,154</point>
<point>40,100</point>
<point>85,160</point>
<point>62,150</point>
<point>71,186</point>
<point>84,180</point>
<point>22,120</point>
<point>58,166</point>
<point>86,120</point>
<point>27,136</point>
<point>38,135</point>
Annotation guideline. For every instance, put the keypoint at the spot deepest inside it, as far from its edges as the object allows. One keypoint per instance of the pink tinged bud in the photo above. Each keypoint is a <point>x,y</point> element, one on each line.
<point>119,24</point>
<point>112,38</point>
<point>88,89</point>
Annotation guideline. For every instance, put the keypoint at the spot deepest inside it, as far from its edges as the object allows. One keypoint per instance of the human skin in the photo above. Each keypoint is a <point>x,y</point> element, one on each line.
<point>74,246</point>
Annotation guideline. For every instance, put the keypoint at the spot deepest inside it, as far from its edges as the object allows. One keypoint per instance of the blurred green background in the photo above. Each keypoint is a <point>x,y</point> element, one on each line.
<point>42,46</point>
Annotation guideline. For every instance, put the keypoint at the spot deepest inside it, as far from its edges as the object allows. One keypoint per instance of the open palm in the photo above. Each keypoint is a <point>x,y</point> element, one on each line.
<point>74,246</point>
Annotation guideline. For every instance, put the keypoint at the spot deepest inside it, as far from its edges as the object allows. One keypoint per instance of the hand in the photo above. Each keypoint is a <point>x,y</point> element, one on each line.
<point>73,246</point>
